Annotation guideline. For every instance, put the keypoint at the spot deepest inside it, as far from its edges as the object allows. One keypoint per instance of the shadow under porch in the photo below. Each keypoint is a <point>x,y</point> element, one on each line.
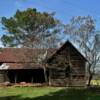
<point>26,75</point>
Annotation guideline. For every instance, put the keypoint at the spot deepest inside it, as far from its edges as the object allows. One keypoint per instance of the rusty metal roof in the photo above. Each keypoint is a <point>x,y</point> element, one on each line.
<point>22,55</point>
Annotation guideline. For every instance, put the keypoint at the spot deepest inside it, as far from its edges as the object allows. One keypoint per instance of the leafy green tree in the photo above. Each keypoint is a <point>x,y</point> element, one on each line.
<point>31,28</point>
<point>28,28</point>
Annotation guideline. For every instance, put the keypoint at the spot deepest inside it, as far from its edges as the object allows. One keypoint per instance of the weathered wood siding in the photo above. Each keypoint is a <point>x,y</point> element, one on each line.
<point>67,67</point>
<point>3,76</point>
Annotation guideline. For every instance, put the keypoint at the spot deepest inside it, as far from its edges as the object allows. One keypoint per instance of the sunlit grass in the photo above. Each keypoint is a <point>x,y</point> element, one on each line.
<point>47,93</point>
<point>95,82</point>
<point>27,91</point>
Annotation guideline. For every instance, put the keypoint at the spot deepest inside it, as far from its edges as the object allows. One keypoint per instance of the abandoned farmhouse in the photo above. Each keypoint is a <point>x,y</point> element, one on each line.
<point>64,66</point>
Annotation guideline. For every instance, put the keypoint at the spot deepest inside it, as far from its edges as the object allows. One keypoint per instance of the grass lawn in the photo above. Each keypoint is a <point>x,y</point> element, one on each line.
<point>95,82</point>
<point>47,93</point>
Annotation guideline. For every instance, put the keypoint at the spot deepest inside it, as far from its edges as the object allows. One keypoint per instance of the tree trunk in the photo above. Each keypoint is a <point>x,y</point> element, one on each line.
<point>89,80</point>
<point>45,75</point>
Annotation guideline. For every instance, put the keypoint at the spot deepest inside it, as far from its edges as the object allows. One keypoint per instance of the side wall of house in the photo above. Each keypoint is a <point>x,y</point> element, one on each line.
<point>67,67</point>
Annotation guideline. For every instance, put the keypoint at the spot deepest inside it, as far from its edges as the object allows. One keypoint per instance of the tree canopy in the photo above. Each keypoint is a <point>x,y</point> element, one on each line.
<point>27,28</point>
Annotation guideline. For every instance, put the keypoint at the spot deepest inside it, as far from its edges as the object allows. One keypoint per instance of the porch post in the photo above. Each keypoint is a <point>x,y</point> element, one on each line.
<point>15,78</point>
<point>49,77</point>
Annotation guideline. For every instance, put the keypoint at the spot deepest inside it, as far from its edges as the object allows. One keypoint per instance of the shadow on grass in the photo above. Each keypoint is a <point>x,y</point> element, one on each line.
<point>64,94</point>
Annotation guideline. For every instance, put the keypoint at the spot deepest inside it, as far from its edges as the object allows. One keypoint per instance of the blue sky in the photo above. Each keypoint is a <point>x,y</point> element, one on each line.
<point>65,9</point>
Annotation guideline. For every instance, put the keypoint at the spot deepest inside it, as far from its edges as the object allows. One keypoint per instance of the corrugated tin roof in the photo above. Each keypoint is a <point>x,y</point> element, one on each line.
<point>19,55</point>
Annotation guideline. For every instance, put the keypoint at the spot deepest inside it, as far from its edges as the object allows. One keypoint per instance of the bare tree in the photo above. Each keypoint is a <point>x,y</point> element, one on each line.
<point>82,31</point>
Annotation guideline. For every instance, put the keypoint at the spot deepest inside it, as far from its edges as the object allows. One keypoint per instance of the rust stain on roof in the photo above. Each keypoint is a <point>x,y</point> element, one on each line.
<point>22,55</point>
